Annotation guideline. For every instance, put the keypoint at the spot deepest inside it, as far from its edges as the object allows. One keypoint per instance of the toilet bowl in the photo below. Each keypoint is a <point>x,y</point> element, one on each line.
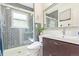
<point>34,45</point>
<point>34,48</point>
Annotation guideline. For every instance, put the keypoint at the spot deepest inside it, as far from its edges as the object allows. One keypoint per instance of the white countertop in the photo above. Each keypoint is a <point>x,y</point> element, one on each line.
<point>72,39</point>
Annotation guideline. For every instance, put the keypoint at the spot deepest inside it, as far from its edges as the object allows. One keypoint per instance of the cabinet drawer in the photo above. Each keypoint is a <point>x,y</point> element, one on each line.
<point>57,48</point>
<point>74,49</point>
<point>53,41</point>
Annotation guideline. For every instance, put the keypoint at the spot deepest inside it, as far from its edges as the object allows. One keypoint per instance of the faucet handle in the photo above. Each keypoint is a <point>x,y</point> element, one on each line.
<point>78,33</point>
<point>68,24</point>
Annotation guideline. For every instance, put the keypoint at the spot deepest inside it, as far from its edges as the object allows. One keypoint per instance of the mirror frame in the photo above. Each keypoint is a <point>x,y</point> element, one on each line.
<point>44,14</point>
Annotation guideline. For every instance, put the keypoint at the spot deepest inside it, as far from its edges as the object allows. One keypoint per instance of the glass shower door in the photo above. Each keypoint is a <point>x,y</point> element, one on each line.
<point>18,29</point>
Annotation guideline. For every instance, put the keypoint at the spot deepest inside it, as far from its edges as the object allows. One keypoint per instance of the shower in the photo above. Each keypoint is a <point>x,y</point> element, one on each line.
<point>18,26</point>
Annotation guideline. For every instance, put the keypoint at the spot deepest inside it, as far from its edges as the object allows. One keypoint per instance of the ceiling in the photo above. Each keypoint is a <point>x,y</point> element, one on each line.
<point>28,4</point>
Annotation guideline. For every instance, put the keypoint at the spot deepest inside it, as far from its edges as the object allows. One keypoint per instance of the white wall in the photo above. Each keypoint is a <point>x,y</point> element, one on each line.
<point>39,13</point>
<point>39,9</point>
<point>46,5</point>
<point>28,4</point>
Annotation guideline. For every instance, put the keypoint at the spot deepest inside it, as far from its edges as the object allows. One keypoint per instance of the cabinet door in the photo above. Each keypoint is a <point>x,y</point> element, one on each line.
<point>60,48</point>
<point>55,47</point>
<point>64,49</point>
<point>74,50</point>
<point>71,49</point>
<point>46,48</point>
<point>49,49</point>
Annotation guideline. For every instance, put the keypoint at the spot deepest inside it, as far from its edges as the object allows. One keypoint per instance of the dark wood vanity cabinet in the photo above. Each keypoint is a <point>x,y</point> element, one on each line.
<point>52,47</point>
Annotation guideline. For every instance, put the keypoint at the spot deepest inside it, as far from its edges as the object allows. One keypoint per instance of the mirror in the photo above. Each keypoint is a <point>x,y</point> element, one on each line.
<point>52,19</point>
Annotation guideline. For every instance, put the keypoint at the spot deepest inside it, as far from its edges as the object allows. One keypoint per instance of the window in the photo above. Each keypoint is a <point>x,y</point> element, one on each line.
<point>19,20</point>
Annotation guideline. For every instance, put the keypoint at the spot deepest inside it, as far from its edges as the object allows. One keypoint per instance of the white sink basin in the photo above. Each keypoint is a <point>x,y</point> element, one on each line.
<point>71,37</point>
<point>65,37</point>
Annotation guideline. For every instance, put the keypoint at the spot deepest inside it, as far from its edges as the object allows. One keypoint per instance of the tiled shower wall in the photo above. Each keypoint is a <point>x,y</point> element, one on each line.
<point>13,40</point>
<point>18,37</point>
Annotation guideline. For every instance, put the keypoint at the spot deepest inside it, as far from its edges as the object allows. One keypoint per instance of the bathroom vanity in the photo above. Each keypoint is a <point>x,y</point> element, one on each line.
<point>61,36</point>
<point>57,47</point>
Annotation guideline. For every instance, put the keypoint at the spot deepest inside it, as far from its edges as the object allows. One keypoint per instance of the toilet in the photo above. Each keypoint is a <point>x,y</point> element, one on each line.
<point>34,45</point>
<point>34,48</point>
